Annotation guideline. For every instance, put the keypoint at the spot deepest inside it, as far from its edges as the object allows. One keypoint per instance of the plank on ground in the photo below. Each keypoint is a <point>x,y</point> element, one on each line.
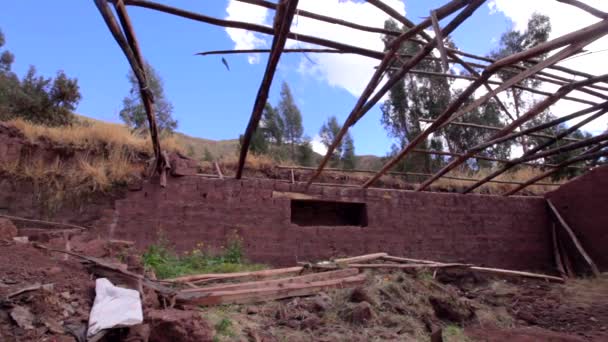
<point>412,266</point>
<point>254,274</point>
<point>270,293</point>
<point>308,278</point>
<point>360,258</point>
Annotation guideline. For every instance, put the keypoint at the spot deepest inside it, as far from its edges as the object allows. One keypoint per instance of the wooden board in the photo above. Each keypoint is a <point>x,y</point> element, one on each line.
<point>269,293</point>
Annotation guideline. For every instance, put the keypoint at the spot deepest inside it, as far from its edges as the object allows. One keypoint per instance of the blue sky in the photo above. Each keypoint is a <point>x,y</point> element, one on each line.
<point>209,101</point>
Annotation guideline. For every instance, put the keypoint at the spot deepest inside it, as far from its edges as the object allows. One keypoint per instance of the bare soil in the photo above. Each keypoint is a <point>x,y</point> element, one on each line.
<point>392,306</point>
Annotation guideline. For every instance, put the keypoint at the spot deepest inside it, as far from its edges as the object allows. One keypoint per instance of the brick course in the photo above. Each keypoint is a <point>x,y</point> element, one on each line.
<point>486,230</point>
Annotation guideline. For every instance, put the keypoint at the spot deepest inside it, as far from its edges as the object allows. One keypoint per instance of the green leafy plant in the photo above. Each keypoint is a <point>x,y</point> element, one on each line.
<point>166,263</point>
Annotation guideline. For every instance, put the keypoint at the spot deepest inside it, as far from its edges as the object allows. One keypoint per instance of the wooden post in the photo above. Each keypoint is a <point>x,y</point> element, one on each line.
<point>574,239</point>
<point>282,25</point>
<point>218,170</point>
<point>556,255</point>
<point>440,46</point>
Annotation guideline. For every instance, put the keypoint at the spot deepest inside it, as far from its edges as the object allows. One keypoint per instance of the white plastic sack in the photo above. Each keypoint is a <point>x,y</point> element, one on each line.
<point>113,307</point>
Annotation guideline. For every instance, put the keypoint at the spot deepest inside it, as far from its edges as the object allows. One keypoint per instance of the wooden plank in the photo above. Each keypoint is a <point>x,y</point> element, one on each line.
<point>516,273</point>
<point>308,278</point>
<point>218,170</point>
<point>360,258</point>
<point>292,195</point>
<point>283,17</point>
<point>407,260</point>
<point>253,274</point>
<point>412,266</point>
<point>270,293</point>
<point>556,255</point>
<point>574,239</point>
<point>439,38</point>
<point>566,258</point>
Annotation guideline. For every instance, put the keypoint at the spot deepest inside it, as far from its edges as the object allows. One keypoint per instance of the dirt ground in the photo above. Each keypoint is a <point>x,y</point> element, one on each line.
<point>392,306</point>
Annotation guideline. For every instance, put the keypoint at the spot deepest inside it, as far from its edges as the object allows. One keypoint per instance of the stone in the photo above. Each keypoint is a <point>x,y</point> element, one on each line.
<point>320,303</point>
<point>451,309</point>
<point>8,231</point>
<point>360,294</point>
<point>359,314</point>
<point>172,325</point>
<point>23,317</point>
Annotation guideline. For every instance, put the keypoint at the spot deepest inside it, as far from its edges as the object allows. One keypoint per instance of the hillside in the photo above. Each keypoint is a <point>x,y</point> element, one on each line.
<point>196,147</point>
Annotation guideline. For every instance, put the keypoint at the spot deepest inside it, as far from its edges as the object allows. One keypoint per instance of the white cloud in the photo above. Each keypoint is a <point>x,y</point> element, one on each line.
<point>242,39</point>
<point>347,71</point>
<point>564,19</point>
<point>317,145</point>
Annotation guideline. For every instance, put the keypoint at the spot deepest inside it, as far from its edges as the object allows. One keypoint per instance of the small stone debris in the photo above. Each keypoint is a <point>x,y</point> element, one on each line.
<point>23,317</point>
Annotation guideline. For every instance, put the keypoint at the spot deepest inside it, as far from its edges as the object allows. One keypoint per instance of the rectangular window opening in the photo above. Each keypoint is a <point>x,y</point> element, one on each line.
<point>327,213</point>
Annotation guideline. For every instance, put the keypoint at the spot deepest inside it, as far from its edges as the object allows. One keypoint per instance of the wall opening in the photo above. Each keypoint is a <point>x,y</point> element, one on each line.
<point>326,213</point>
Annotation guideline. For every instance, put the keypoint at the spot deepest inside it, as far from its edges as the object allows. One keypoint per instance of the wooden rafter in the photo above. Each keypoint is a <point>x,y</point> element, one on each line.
<point>592,153</point>
<point>532,153</point>
<point>574,41</point>
<point>362,107</point>
<point>283,19</point>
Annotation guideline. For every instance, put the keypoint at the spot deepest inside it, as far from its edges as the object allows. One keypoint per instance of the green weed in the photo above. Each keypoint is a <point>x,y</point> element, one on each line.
<point>168,264</point>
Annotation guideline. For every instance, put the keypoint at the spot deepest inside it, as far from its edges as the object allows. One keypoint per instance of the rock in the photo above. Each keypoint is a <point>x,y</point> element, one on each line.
<point>451,309</point>
<point>23,317</point>
<point>138,333</point>
<point>252,310</point>
<point>65,295</point>
<point>359,295</point>
<point>527,317</point>
<point>21,239</point>
<point>176,325</point>
<point>53,326</point>
<point>54,270</point>
<point>8,231</point>
<point>359,314</point>
<point>311,323</point>
<point>320,303</point>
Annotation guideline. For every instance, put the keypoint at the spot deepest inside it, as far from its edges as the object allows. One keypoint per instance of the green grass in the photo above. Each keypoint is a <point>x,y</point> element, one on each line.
<point>168,264</point>
<point>454,333</point>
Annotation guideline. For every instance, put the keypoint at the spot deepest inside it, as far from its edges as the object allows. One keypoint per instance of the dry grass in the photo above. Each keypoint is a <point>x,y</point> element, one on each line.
<point>521,174</point>
<point>92,135</point>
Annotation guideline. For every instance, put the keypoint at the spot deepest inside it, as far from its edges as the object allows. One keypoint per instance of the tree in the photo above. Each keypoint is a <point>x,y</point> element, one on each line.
<point>36,98</point>
<point>328,133</point>
<point>291,118</point>
<point>349,160</point>
<point>305,154</point>
<point>344,153</point>
<point>133,112</point>
<point>273,125</point>
<point>207,156</point>
<point>413,98</point>
<point>513,41</point>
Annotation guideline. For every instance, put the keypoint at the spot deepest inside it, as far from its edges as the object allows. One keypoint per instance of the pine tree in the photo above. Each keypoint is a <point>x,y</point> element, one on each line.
<point>273,125</point>
<point>344,153</point>
<point>349,160</point>
<point>292,120</point>
<point>133,112</point>
<point>328,133</point>
<point>305,154</point>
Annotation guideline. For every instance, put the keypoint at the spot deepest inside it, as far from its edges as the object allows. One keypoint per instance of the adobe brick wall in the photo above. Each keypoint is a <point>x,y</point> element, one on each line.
<point>486,230</point>
<point>583,202</point>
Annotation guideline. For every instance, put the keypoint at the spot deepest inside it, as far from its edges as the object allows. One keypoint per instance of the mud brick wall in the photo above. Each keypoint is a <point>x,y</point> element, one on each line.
<point>486,230</point>
<point>583,203</point>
